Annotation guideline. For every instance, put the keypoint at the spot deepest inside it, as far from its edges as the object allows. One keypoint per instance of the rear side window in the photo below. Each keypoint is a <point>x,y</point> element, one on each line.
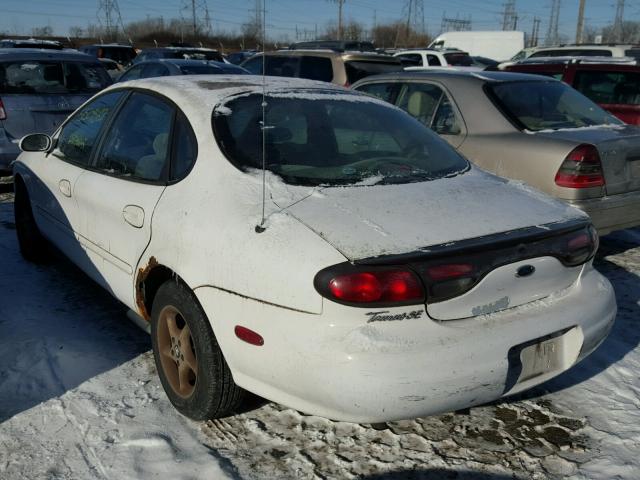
<point>420,100</point>
<point>35,77</point>
<point>316,68</point>
<point>433,60</point>
<point>621,88</point>
<point>633,53</point>
<point>137,143</point>
<point>185,148</point>
<point>283,66</point>
<point>78,137</point>
<point>384,91</point>
<point>458,59</point>
<point>357,69</point>
<point>410,59</point>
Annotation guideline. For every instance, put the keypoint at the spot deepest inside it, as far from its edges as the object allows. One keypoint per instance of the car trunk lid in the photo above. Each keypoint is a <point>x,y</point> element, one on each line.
<point>417,224</point>
<point>619,148</point>
<point>27,113</point>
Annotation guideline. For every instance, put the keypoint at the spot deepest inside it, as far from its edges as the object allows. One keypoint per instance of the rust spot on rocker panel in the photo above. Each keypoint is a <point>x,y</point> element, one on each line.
<point>140,278</point>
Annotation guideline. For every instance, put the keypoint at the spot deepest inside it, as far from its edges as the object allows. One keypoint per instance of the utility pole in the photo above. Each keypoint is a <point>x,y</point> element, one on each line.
<point>552,32</point>
<point>340,4</point>
<point>535,32</point>
<point>193,16</point>
<point>109,17</point>
<point>580,26</point>
<point>617,24</point>
<point>509,16</point>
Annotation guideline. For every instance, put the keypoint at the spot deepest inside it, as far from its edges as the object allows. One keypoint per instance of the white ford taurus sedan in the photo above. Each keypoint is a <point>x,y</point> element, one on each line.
<point>367,273</point>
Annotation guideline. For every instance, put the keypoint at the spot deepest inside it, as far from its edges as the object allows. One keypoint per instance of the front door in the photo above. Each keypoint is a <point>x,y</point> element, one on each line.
<point>54,196</point>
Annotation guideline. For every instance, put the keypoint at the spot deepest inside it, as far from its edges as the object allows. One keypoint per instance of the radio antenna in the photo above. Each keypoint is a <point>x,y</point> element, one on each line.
<point>261,228</point>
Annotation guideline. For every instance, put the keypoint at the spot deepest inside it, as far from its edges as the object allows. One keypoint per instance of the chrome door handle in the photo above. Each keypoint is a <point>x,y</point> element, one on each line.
<point>65,187</point>
<point>133,215</point>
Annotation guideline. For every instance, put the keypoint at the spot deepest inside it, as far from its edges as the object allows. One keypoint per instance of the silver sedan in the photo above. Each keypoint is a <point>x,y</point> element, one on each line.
<point>529,128</point>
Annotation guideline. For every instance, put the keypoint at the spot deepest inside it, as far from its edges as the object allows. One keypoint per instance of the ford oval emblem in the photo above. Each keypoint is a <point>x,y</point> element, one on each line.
<point>525,271</point>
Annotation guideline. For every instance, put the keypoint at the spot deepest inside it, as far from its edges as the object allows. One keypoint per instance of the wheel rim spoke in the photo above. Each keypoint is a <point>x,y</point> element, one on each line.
<point>177,357</point>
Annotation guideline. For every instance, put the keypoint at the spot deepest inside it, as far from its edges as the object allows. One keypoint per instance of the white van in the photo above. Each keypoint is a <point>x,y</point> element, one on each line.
<point>498,45</point>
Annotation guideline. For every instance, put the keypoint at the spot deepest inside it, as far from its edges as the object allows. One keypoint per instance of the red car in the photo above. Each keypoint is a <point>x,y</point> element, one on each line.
<point>613,86</point>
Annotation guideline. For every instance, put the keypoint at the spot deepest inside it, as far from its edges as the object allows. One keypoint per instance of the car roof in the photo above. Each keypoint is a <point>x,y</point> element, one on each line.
<point>8,54</point>
<point>577,59</point>
<point>348,55</point>
<point>445,74</point>
<point>178,49</point>
<point>206,91</point>
<point>109,45</point>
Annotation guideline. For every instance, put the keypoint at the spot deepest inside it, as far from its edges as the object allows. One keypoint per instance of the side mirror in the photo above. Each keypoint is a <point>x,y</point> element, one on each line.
<point>35,142</point>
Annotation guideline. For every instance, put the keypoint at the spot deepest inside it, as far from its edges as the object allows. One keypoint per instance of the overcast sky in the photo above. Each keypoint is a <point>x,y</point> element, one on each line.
<point>284,16</point>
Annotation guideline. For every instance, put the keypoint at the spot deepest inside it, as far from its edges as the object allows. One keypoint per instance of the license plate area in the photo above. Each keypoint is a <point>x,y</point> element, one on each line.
<point>535,361</point>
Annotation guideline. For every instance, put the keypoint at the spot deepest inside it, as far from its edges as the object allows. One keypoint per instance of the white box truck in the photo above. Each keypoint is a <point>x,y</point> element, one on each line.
<point>498,45</point>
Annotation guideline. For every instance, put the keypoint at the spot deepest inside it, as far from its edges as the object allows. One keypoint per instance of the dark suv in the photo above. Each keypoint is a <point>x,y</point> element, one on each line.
<point>615,86</point>
<point>121,54</point>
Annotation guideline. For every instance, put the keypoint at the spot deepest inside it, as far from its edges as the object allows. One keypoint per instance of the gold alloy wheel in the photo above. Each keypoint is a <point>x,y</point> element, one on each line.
<point>177,354</point>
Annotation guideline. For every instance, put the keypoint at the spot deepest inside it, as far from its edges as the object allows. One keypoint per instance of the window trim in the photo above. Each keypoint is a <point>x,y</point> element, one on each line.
<point>56,135</point>
<point>445,91</point>
<point>165,181</point>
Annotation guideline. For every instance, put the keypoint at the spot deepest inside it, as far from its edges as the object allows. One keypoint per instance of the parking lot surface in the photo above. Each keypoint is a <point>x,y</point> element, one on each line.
<point>79,398</point>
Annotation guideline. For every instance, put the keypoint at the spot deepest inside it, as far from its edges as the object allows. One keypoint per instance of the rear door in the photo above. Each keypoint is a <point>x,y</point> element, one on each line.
<point>118,195</point>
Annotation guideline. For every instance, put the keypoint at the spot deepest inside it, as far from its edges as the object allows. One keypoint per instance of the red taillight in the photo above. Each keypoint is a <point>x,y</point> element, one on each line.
<point>449,271</point>
<point>249,336</point>
<point>384,286</point>
<point>3,112</point>
<point>581,246</point>
<point>581,169</point>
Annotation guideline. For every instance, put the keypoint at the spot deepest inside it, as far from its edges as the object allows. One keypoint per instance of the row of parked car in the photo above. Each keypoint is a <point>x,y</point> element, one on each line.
<point>338,250</point>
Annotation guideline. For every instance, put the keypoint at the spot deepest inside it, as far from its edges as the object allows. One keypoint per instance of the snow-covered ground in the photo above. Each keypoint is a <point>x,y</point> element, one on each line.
<point>79,398</point>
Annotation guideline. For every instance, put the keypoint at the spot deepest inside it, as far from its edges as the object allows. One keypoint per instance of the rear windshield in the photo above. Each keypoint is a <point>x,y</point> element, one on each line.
<point>31,77</point>
<point>540,105</point>
<point>194,54</point>
<point>459,59</point>
<point>328,138</point>
<point>199,70</point>
<point>123,55</point>
<point>357,69</point>
<point>622,88</point>
<point>633,53</point>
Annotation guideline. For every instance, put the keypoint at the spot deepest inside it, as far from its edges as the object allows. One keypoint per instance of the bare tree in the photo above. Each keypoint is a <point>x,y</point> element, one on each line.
<point>76,32</point>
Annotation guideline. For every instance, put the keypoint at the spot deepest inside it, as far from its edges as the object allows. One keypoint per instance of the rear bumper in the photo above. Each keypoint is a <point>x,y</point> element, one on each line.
<point>339,366</point>
<point>615,212</point>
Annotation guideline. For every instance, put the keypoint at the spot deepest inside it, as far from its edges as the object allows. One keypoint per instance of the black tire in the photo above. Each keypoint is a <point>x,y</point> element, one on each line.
<point>213,393</point>
<point>33,246</point>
